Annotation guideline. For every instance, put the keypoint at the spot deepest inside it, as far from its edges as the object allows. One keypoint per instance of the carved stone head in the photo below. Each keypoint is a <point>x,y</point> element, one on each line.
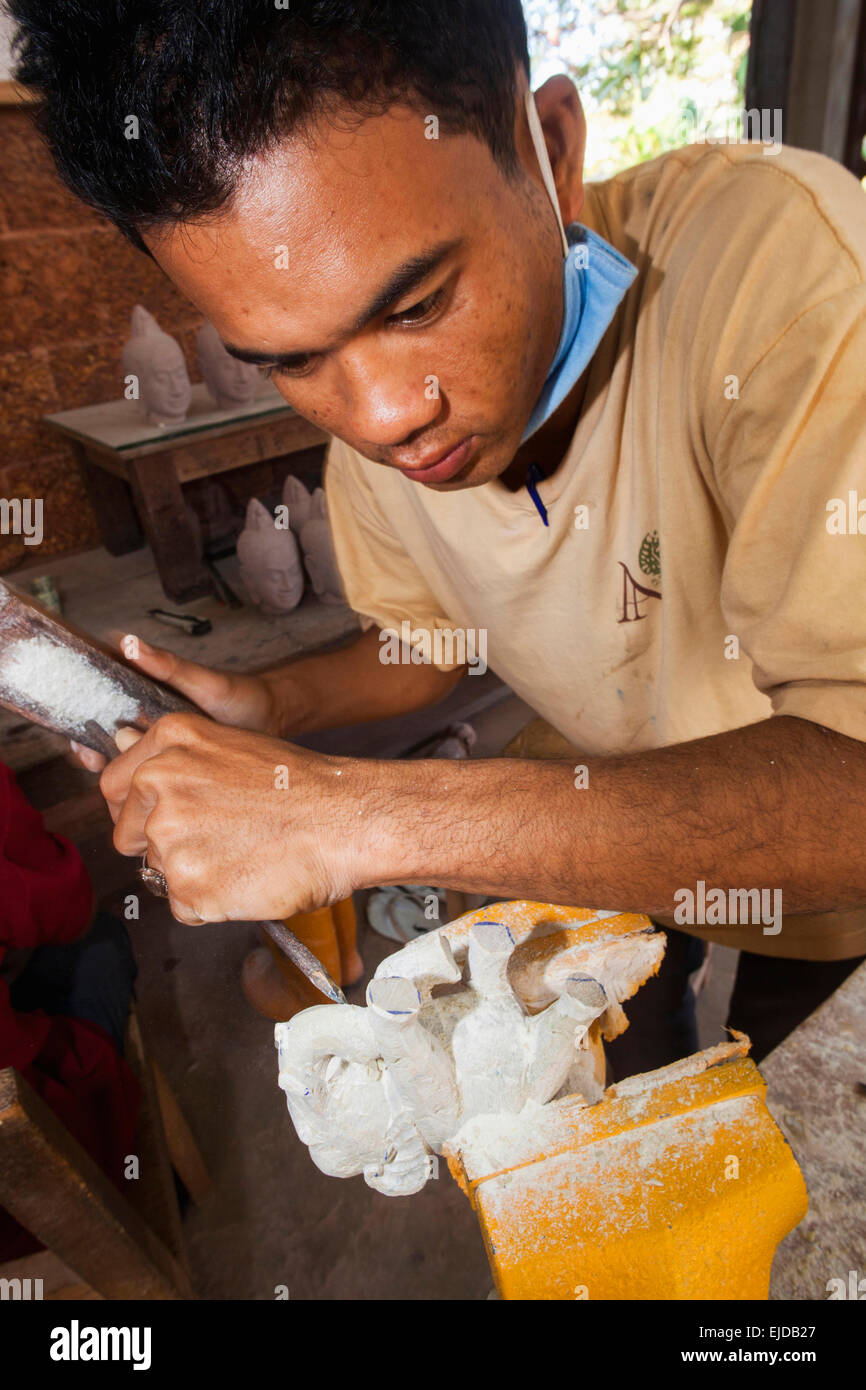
<point>164,389</point>
<point>231,383</point>
<point>308,518</point>
<point>270,562</point>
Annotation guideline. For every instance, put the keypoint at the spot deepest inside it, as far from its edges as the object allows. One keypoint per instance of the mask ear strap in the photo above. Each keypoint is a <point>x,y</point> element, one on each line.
<point>544,163</point>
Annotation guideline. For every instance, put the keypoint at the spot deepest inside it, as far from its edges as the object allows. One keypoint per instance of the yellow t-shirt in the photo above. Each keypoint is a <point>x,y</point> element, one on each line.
<point>703,567</point>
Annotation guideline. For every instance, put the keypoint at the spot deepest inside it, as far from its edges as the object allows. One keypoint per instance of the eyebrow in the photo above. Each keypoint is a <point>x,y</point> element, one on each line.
<point>405,278</point>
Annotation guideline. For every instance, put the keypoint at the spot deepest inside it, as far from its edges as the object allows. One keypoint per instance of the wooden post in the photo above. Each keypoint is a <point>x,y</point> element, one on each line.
<point>62,1197</point>
<point>159,498</point>
<point>111,500</point>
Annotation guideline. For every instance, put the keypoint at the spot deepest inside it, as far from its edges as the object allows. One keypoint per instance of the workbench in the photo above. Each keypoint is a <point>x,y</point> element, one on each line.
<point>816,1092</point>
<point>134,472</point>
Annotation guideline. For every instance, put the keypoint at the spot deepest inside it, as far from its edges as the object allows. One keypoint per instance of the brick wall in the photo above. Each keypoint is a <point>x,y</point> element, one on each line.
<point>68,284</point>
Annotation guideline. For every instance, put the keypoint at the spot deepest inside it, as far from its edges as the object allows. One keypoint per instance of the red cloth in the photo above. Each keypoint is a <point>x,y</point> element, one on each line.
<point>46,898</point>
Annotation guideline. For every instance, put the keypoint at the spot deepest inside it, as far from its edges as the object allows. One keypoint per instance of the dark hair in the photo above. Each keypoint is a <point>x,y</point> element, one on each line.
<point>212,82</point>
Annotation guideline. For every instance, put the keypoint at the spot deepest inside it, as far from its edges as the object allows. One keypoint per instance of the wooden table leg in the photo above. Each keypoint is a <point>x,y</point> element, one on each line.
<point>111,500</point>
<point>159,499</point>
<point>65,1200</point>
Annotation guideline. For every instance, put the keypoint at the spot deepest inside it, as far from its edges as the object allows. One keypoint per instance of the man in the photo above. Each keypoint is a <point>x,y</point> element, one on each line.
<point>610,456</point>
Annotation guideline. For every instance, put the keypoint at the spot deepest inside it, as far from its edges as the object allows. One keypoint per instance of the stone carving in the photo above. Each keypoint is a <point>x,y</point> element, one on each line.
<point>157,362</point>
<point>298,501</point>
<point>270,562</point>
<point>381,1090</point>
<point>232,384</point>
<point>308,518</point>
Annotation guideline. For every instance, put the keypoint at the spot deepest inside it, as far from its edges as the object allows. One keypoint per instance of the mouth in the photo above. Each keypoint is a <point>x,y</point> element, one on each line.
<point>445,467</point>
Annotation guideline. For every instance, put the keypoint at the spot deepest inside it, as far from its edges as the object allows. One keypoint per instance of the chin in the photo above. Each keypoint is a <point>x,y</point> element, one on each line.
<point>490,463</point>
<point>474,477</point>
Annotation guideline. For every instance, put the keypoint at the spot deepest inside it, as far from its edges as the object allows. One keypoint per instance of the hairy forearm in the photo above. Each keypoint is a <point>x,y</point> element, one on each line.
<point>353,686</point>
<point>778,805</point>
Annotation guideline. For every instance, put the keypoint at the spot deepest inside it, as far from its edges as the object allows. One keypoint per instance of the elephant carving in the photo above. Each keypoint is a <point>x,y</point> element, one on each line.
<point>487,1016</point>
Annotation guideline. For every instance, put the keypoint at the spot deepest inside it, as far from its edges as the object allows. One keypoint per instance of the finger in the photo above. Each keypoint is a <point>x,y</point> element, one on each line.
<point>127,738</point>
<point>117,776</point>
<point>94,762</point>
<point>187,915</point>
<point>206,688</point>
<point>130,836</point>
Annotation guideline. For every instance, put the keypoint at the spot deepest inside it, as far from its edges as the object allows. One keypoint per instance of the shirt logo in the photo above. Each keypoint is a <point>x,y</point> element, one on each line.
<point>635,594</point>
<point>649,558</point>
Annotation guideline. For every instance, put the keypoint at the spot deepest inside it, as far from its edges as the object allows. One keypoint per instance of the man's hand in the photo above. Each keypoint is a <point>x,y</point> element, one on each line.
<point>246,702</point>
<point>243,826</point>
<point>346,686</point>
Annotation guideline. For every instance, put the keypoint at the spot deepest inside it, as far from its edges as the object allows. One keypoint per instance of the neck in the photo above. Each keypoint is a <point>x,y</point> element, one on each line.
<point>549,445</point>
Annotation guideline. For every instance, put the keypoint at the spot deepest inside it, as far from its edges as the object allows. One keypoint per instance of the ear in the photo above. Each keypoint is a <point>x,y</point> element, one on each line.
<point>319,509</point>
<point>564,126</point>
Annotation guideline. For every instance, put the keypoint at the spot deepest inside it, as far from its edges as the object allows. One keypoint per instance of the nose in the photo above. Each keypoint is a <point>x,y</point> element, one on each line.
<point>387,396</point>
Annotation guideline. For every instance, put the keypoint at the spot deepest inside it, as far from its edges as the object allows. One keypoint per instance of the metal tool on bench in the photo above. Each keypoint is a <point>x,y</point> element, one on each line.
<point>24,620</point>
<point>187,622</point>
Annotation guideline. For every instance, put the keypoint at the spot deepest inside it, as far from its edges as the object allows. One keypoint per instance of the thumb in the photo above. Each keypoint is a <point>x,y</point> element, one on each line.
<point>205,688</point>
<point>125,738</point>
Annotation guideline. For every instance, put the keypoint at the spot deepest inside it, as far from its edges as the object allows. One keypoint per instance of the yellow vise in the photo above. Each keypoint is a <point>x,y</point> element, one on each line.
<point>678,1184</point>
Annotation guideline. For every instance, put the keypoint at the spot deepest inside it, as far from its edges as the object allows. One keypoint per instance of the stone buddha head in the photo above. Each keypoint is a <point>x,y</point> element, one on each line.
<point>270,562</point>
<point>231,383</point>
<point>308,518</point>
<point>156,360</point>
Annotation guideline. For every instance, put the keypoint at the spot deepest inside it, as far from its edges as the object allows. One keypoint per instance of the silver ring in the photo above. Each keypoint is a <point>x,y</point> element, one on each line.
<point>153,879</point>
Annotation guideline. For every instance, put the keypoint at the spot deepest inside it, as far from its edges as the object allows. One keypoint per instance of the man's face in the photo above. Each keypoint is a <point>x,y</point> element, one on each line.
<point>407,293</point>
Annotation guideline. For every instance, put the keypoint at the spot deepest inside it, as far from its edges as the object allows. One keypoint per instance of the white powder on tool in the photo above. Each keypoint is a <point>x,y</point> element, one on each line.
<point>65,685</point>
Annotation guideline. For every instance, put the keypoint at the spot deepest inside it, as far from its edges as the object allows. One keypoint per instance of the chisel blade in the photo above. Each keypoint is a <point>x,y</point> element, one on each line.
<point>304,959</point>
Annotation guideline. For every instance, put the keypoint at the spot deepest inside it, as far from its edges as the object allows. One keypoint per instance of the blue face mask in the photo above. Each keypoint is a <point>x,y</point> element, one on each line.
<point>595,278</point>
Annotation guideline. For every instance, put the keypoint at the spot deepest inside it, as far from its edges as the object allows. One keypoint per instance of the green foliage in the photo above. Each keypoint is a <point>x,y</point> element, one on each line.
<point>624,53</point>
<point>659,41</point>
<point>738,26</point>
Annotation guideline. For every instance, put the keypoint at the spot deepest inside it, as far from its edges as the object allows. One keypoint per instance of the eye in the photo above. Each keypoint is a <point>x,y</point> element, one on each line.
<point>295,366</point>
<point>420,312</point>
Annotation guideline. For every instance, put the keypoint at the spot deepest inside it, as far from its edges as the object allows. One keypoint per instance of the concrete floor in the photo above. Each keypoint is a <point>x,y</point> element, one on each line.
<point>273,1219</point>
